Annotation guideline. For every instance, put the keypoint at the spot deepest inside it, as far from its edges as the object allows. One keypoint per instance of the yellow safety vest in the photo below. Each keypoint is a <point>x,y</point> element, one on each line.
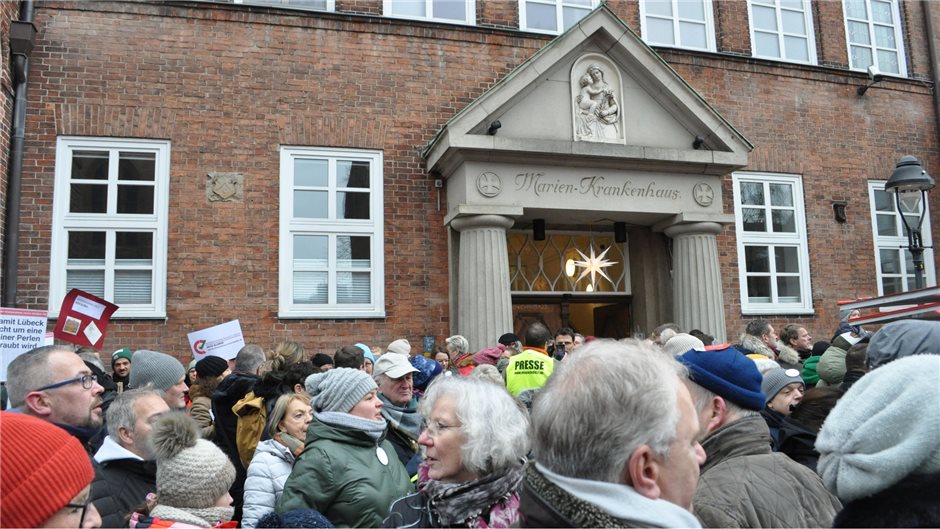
<point>528,369</point>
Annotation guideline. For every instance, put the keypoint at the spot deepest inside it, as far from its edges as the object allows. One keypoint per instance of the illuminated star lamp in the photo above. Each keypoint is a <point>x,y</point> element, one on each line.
<point>593,265</point>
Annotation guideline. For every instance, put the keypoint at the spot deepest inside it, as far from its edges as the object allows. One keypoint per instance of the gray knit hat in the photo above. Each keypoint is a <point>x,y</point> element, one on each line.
<point>777,379</point>
<point>338,389</point>
<point>681,343</point>
<point>158,369</point>
<point>191,472</point>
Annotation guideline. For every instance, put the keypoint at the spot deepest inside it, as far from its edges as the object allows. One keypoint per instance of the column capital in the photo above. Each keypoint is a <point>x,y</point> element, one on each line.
<point>693,228</point>
<point>481,221</point>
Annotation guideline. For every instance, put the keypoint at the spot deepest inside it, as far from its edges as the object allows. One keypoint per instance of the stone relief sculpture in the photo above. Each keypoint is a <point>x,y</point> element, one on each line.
<point>597,111</point>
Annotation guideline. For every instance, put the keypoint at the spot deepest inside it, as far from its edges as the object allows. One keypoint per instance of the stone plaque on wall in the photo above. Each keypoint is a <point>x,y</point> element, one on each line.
<point>225,187</point>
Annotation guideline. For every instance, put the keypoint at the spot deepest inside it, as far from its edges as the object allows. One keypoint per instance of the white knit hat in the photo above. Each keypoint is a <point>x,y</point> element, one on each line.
<point>191,472</point>
<point>683,343</point>
<point>884,428</point>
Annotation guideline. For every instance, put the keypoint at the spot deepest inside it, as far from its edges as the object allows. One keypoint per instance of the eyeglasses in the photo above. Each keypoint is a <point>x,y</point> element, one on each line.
<point>435,428</point>
<point>87,382</point>
<point>82,506</point>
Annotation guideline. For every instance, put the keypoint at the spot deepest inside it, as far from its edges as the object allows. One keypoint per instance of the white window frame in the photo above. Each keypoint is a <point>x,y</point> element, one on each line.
<point>330,5</point>
<point>560,6</point>
<point>810,35</point>
<point>331,227</point>
<point>709,27</point>
<point>898,242</point>
<point>798,239</point>
<point>156,223</point>
<point>898,39</point>
<point>470,6</point>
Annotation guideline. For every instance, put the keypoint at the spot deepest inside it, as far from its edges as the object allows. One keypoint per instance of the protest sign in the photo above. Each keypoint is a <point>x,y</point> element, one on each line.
<point>83,319</point>
<point>223,340</point>
<point>20,331</point>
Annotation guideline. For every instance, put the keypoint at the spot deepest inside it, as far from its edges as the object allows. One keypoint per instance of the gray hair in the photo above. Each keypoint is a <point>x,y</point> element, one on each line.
<point>249,358</point>
<point>488,373</point>
<point>602,404</point>
<point>458,343</point>
<point>489,446</point>
<point>30,371</point>
<point>701,399</point>
<point>280,410</point>
<point>121,412</point>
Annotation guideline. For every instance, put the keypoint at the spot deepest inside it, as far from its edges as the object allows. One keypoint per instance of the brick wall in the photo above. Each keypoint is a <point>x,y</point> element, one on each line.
<point>229,84</point>
<point>8,11</point>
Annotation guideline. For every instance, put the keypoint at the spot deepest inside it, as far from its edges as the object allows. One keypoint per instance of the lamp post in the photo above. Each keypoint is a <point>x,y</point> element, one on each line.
<point>910,183</point>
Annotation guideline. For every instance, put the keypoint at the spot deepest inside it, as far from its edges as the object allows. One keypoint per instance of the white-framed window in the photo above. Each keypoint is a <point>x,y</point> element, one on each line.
<point>873,35</point>
<point>331,234</point>
<point>773,256</point>
<point>109,226</point>
<point>782,29</point>
<point>311,5</point>
<point>552,16</point>
<point>451,11</point>
<point>678,23</point>
<point>894,266</point>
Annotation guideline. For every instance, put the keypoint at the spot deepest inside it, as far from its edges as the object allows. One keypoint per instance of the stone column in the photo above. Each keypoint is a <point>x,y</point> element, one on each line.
<point>484,304</point>
<point>696,278</point>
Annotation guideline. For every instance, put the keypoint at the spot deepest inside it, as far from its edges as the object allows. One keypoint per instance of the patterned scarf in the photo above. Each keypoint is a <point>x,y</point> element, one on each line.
<point>491,501</point>
<point>373,429</point>
<point>405,419</point>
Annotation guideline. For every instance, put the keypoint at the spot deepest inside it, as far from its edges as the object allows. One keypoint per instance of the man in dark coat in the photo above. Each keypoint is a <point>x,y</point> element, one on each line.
<point>232,389</point>
<point>124,470</point>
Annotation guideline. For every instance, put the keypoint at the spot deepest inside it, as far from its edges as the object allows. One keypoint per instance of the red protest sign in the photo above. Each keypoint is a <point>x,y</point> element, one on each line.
<point>83,319</point>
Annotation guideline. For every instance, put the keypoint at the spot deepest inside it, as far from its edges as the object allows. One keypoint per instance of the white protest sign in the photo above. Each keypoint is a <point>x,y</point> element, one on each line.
<point>20,331</point>
<point>223,340</point>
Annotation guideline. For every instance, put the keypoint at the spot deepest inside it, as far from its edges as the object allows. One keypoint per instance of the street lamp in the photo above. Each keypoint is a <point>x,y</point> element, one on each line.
<point>910,184</point>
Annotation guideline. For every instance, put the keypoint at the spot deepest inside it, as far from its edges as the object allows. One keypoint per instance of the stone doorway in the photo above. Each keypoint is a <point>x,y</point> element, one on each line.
<point>601,317</point>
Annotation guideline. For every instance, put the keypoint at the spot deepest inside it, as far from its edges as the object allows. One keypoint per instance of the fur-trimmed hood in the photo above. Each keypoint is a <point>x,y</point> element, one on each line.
<point>755,345</point>
<point>787,356</point>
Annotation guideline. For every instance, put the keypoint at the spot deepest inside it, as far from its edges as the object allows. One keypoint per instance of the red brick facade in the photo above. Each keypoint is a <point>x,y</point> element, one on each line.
<point>229,84</point>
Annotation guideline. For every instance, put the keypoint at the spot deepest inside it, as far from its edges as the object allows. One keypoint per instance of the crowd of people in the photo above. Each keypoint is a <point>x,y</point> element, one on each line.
<point>546,430</point>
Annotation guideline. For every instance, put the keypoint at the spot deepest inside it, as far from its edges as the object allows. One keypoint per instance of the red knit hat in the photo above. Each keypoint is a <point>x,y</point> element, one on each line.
<point>42,468</point>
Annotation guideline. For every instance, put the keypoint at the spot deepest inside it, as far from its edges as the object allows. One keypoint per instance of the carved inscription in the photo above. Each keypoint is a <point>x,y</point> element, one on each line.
<point>593,186</point>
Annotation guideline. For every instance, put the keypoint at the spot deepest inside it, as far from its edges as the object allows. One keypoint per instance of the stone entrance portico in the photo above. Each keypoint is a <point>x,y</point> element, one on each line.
<point>593,129</point>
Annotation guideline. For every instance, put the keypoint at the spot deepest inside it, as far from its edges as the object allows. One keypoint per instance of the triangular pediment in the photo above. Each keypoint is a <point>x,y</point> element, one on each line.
<point>597,95</point>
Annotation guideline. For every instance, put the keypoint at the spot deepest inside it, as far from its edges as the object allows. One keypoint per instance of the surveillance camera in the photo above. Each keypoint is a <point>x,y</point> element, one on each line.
<point>874,74</point>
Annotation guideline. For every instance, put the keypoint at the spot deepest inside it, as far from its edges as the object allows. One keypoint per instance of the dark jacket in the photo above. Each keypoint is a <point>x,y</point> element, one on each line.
<point>774,420</point>
<point>799,443</point>
<point>231,390</point>
<point>340,475</point>
<point>121,484</point>
<point>744,484</point>
<point>913,502</point>
<point>850,378</point>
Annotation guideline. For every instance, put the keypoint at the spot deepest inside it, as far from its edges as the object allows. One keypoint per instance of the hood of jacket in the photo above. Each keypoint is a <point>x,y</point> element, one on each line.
<point>111,450</point>
<point>275,449</point>
<point>743,437</point>
<point>787,354</point>
<point>234,388</point>
<point>197,390</point>
<point>756,345</point>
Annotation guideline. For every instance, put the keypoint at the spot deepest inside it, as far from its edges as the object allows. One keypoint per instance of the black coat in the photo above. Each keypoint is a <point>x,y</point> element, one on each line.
<point>231,390</point>
<point>914,502</point>
<point>120,487</point>
<point>799,442</point>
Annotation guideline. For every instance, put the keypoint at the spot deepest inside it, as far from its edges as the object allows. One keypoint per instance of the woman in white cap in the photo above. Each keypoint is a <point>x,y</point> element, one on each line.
<point>348,471</point>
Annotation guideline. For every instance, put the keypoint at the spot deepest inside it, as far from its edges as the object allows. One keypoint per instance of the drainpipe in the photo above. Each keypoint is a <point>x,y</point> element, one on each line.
<point>929,11</point>
<point>22,38</point>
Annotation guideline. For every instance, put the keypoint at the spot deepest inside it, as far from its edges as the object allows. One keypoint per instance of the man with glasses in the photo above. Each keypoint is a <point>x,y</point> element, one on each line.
<point>54,384</point>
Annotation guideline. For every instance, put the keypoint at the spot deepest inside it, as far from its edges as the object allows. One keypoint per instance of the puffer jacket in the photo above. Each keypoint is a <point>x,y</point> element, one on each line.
<point>340,475</point>
<point>744,484</point>
<point>831,367</point>
<point>267,474</point>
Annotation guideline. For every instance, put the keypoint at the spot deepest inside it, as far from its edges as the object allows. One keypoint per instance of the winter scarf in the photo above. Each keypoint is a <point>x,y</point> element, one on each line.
<point>206,517</point>
<point>491,501</point>
<point>405,419</point>
<point>296,446</point>
<point>373,429</point>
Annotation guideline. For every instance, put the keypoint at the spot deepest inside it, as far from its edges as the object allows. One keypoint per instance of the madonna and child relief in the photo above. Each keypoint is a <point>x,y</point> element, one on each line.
<point>597,96</point>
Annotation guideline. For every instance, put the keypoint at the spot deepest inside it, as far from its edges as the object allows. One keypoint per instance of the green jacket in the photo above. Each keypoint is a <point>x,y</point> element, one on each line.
<point>831,368</point>
<point>339,474</point>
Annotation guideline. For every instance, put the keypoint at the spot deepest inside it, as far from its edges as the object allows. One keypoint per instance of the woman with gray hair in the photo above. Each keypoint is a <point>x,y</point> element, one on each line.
<point>461,361</point>
<point>473,464</point>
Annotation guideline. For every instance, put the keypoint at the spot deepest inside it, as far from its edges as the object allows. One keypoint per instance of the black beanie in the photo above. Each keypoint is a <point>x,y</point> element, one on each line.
<point>211,366</point>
